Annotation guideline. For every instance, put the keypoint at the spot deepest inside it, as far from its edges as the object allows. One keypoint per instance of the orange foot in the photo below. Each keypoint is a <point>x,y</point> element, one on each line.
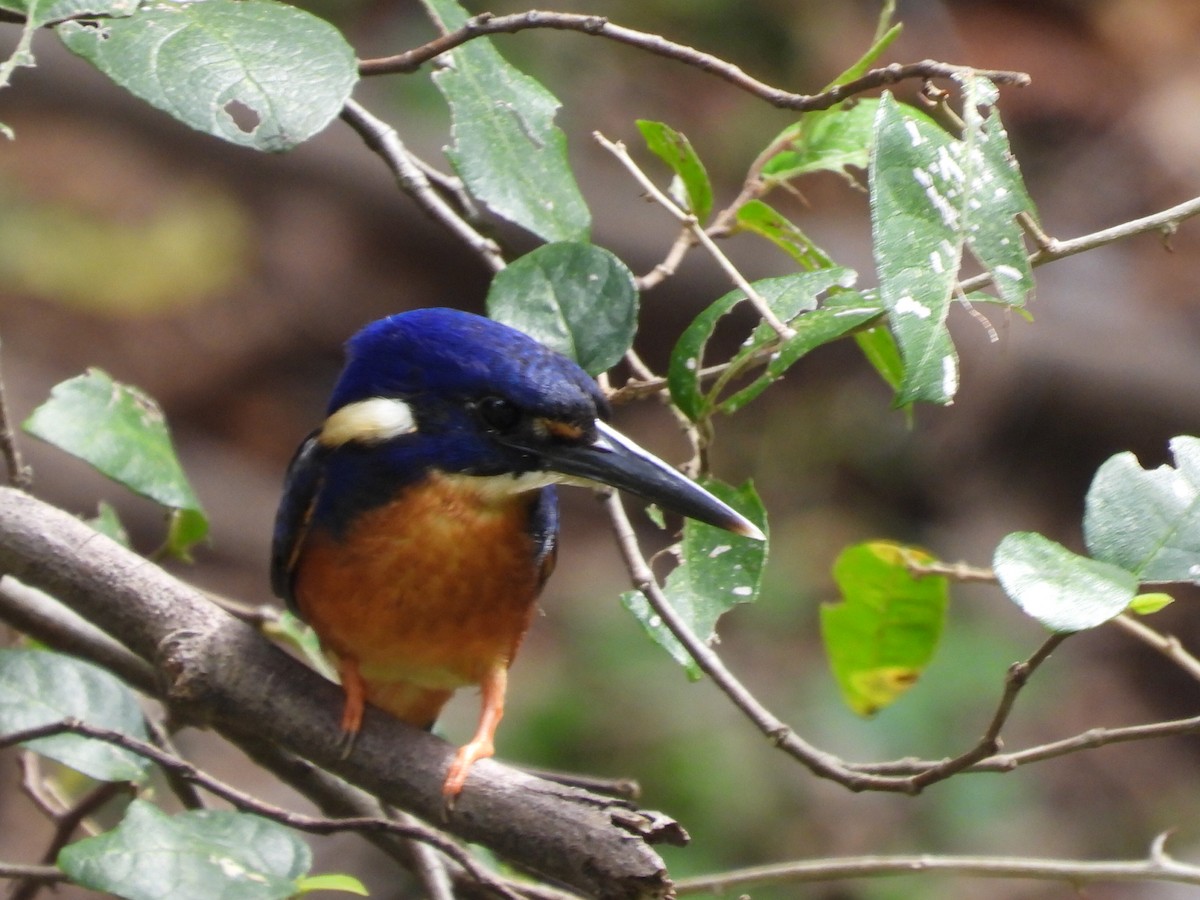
<point>352,712</point>
<point>481,746</point>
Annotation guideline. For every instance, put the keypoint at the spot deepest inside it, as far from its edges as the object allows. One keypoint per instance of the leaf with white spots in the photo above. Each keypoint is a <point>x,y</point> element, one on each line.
<point>1148,520</point>
<point>932,196</point>
<point>717,571</point>
<point>1062,590</point>
<point>195,855</point>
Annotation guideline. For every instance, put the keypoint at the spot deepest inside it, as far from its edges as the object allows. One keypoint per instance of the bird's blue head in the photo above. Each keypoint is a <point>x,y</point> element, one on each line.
<point>447,391</point>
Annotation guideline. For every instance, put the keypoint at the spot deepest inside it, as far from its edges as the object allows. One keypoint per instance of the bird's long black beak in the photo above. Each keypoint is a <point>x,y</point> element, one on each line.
<point>614,460</point>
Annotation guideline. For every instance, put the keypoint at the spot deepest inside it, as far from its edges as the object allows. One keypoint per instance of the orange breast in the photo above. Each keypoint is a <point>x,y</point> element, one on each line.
<point>429,592</point>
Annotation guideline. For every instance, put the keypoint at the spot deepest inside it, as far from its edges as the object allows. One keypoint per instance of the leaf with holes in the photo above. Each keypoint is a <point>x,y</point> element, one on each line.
<point>578,299</point>
<point>257,73</point>
<point>884,632</point>
<point>1148,521</point>
<point>718,570</point>
<point>1062,590</point>
<point>38,687</point>
<point>194,855</point>
<point>507,149</point>
<point>122,432</point>
<point>932,196</point>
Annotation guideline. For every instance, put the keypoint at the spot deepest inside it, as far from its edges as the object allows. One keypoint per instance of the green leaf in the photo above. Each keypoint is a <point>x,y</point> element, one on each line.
<point>256,73</point>
<point>578,299</point>
<point>842,313</point>
<point>828,140</point>
<point>108,523</point>
<point>790,297</point>
<point>195,855</point>
<point>120,431</point>
<point>1062,590</point>
<point>886,34</point>
<point>1149,604</point>
<point>878,345</point>
<point>931,197</point>
<point>676,151</point>
<point>40,12</point>
<point>994,194</point>
<point>347,884</point>
<point>918,246</point>
<point>38,687</point>
<point>761,219</point>
<point>507,149</point>
<point>718,570</point>
<point>884,632</point>
<point>1148,521</point>
<point>290,629</point>
<point>687,359</point>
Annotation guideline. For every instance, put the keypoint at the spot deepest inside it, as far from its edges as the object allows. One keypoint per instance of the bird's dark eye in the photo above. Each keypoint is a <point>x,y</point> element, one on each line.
<point>499,413</point>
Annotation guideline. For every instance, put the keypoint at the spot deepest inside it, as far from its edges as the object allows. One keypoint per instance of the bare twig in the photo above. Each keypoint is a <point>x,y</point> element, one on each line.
<point>1051,249</point>
<point>383,139</point>
<point>599,26</point>
<point>1156,867</point>
<point>1166,644</point>
<point>689,221</point>
<point>19,475</point>
<point>1016,679</point>
<point>44,874</point>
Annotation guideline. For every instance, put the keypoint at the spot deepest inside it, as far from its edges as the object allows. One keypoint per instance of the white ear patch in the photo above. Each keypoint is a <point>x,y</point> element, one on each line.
<point>368,422</point>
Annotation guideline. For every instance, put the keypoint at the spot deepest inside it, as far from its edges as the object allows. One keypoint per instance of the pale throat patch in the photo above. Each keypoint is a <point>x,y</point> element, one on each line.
<point>368,422</point>
<point>495,488</point>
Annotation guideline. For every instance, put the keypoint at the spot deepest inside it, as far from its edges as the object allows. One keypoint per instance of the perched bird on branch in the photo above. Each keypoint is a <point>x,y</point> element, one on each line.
<point>419,521</point>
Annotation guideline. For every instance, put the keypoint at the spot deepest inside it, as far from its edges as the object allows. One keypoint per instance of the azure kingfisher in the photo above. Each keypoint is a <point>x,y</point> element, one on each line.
<point>419,521</point>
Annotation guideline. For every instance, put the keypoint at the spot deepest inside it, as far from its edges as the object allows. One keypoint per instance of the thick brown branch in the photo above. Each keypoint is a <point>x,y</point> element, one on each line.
<point>599,26</point>
<point>219,671</point>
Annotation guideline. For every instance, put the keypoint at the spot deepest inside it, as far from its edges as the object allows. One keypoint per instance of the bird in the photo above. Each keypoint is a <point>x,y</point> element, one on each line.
<point>419,521</point>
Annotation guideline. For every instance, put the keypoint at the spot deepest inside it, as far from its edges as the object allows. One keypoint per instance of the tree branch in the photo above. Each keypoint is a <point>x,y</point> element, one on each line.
<point>218,671</point>
<point>599,26</point>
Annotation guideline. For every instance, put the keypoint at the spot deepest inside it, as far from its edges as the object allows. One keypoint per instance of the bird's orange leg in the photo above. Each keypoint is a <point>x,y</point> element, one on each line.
<point>480,746</point>
<point>355,690</point>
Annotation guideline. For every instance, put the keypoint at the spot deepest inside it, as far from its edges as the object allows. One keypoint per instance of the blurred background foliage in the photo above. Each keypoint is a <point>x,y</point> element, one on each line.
<point>224,282</point>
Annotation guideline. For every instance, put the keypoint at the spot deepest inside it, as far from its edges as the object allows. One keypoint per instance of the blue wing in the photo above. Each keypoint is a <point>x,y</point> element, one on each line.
<point>301,486</point>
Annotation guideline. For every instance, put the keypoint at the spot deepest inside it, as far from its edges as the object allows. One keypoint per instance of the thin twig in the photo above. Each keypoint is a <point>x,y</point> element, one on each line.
<point>20,475</point>
<point>599,26</point>
<point>46,874</point>
<point>1017,677</point>
<point>1156,867</point>
<point>1051,249</point>
<point>384,140</point>
<point>689,221</point>
<point>1166,644</point>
